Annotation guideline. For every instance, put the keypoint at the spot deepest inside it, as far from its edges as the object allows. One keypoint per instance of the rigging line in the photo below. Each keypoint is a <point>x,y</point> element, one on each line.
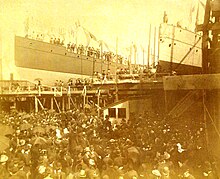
<point>216,129</point>
<point>187,54</point>
<point>166,37</point>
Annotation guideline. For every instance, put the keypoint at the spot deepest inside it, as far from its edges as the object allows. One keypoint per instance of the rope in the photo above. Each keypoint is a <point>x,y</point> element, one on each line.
<point>216,129</point>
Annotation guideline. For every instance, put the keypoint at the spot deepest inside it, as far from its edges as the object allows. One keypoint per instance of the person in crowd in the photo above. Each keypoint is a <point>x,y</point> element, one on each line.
<point>73,46</point>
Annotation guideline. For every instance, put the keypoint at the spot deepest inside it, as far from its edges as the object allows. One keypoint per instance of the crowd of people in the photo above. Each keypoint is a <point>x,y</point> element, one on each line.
<point>75,145</point>
<point>80,49</point>
<point>94,53</point>
<point>88,51</point>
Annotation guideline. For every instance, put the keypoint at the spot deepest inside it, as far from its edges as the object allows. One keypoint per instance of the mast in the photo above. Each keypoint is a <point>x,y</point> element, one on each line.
<point>129,59</point>
<point>116,65</point>
<point>172,50</point>
<point>143,57</point>
<point>158,41</point>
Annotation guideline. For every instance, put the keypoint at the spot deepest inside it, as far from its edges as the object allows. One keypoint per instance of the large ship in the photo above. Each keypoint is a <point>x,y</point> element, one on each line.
<point>51,62</point>
<point>180,50</point>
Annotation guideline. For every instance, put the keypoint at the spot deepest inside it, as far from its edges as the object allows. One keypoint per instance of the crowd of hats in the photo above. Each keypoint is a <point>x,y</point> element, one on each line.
<point>74,145</point>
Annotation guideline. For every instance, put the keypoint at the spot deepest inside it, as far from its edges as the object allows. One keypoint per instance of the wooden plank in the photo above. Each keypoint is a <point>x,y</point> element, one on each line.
<point>192,82</point>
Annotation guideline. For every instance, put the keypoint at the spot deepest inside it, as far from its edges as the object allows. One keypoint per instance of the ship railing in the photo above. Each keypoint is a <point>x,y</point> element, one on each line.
<point>129,78</point>
<point>15,86</point>
<point>26,87</point>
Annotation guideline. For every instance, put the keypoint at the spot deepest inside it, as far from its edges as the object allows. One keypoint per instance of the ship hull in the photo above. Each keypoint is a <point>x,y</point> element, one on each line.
<point>55,59</point>
<point>180,50</point>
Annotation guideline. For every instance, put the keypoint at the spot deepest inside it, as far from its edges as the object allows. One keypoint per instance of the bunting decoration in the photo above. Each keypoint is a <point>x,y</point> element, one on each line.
<point>101,43</point>
<point>92,36</point>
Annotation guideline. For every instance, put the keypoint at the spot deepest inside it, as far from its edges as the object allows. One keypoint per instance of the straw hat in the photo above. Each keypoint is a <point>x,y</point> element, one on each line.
<point>87,149</point>
<point>91,162</point>
<point>156,173</point>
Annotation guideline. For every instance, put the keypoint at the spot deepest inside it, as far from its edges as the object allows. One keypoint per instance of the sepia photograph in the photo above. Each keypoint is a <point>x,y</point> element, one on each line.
<point>110,89</point>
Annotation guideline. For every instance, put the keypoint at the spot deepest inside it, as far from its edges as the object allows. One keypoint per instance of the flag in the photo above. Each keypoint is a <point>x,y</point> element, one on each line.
<point>92,36</point>
<point>106,46</point>
<point>84,91</point>
<point>87,37</point>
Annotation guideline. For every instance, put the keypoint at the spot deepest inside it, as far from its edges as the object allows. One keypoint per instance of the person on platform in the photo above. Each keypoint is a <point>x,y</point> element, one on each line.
<point>165,18</point>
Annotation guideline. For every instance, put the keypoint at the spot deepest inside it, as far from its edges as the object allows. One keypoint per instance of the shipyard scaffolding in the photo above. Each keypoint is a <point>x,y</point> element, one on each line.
<point>201,92</point>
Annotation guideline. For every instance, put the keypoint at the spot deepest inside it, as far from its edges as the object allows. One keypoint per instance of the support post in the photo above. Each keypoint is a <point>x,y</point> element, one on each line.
<point>165,98</point>
<point>63,104</point>
<point>84,101</point>
<point>41,105</point>
<point>57,105</point>
<point>36,104</point>
<point>98,102</point>
<point>51,103</point>
<point>104,103</point>
<point>68,102</point>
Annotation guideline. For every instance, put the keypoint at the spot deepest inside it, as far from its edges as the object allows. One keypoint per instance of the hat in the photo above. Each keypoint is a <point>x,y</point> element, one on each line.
<point>105,177</point>
<point>22,142</point>
<point>91,162</point>
<point>58,165</point>
<point>82,174</point>
<point>166,171</point>
<point>156,173</point>
<point>87,149</point>
<point>166,155</point>
<point>3,158</point>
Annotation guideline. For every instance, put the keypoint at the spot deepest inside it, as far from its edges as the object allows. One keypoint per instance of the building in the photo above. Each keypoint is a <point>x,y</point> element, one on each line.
<point>123,109</point>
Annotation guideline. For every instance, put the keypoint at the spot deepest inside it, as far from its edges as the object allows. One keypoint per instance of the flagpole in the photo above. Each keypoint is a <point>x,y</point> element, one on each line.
<point>130,59</point>
<point>143,58</point>
<point>154,59</point>
<point>149,41</point>
<point>101,52</point>
<point>158,45</point>
<point>117,49</point>
<point>135,54</point>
